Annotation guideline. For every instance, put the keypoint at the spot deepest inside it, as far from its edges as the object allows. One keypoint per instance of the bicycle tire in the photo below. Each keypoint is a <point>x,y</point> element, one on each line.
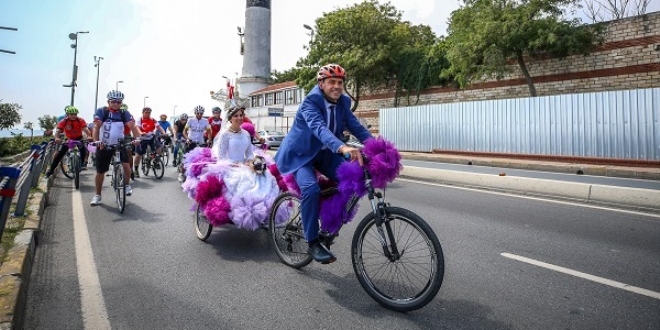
<point>377,292</point>
<point>146,165</point>
<point>166,156</point>
<point>203,227</point>
<point>65,163</point>
<point>158,167</point>
<point>76,170</point>
<point>120,187</point>
<point>291,235</point>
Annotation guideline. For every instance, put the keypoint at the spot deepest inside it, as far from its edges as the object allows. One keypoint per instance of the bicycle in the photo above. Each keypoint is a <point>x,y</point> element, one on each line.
<point>151,160</point>
<point>118,174</point>
<point>378,231</point>
<point>165,153</point>
<point>71,162</point>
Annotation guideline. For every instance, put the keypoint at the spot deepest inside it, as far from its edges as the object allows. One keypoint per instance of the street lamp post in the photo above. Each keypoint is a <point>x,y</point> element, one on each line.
<point>74,75</point>
<point>144,103</point>
<point>97,64</point>
<point>311,32</point>
<point>10,29</point>
<point>117,85</point>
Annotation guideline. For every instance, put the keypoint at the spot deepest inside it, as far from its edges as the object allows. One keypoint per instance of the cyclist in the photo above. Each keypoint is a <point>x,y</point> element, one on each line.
<point>149,126</point>
<point>216,122</point>
<point>197,127</point>
<point>179,126</point>
<point>313,143</point>
<point>166,127</point>
<point>73,128</point>
<point>109,124</point>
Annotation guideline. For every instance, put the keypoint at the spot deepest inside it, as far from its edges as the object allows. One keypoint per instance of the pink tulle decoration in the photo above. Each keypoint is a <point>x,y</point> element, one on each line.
<point>249,128</point>
<point>217,211</point>
<point>290,181</point>
<point>278,177</point>
<point>384,161</point>
<point>207,189</point>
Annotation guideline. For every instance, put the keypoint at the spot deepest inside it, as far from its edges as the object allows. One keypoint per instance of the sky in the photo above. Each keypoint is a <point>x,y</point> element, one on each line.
<point>173,52</point>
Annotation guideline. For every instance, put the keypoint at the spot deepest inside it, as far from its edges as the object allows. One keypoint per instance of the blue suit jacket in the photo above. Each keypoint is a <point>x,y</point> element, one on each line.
<point>309,132</point>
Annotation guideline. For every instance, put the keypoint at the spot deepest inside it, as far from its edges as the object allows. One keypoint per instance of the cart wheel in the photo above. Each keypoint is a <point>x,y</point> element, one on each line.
<point>202,226</point>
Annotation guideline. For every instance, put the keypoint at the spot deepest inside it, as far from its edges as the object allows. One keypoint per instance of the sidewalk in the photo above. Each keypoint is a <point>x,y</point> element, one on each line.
<point>649,173</point>
<point>640,199</point>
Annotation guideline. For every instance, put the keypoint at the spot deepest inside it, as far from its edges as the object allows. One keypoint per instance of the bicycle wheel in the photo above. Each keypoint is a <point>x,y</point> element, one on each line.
<point>120,187</point>
<point>65,166</point>
<point>203,227</point>
<point>158,167</point>
<point>166,155</point>
<point>399,283</point>
<point>286,231</point>
<point>146,164</point>
<point>75,163</point>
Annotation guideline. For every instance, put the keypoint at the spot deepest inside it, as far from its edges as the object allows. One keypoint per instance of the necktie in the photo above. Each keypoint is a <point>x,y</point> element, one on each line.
<point>331,120</point>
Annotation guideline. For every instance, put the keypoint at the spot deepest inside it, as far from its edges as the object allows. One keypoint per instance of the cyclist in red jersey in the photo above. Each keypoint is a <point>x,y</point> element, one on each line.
<point>215,121</point>
<point>73,128</point>
<point>148,126</point>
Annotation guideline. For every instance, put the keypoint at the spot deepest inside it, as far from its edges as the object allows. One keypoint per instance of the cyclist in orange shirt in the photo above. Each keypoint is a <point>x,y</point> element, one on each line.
<point>73,128</point>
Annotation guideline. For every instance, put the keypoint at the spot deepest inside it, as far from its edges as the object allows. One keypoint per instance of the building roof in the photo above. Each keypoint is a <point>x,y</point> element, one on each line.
<point>275,87</point>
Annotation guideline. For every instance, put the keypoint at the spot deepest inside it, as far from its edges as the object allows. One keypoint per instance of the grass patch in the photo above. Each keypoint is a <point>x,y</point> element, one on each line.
<point>13,227</point>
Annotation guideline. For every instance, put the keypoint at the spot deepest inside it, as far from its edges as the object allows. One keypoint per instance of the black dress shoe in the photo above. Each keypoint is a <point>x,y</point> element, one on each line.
<point>320,253</point>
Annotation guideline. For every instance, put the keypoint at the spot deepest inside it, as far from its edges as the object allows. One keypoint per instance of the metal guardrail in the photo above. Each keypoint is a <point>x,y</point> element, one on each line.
<point>18,179</point>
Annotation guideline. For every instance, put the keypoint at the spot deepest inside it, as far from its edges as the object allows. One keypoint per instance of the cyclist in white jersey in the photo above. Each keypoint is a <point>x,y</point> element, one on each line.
<point>194,131</point>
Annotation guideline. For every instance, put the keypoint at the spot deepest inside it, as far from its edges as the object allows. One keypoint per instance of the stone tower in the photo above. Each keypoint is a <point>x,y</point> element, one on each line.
<point>255,48</point>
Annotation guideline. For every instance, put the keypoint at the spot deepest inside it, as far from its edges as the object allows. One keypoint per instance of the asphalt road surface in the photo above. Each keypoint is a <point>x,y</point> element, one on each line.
<point>511,263</point>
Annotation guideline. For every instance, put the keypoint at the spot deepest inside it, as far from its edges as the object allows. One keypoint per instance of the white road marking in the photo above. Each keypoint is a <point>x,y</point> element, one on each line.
<point>653,215</point>
<point>94,313</point>
<point>585,276</point>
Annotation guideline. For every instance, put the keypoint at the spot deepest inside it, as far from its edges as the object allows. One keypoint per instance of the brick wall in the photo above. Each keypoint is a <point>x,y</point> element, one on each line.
<point>628,59</point>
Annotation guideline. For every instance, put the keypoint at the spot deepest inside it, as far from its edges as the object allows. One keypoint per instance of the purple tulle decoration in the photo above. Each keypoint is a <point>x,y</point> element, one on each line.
<point>217,211</point>
<point>249,128</point>
<point>247,214</point>
<point>351,179</point>
<point>195,170</point>
<point>208,189</point>
<point>332,211</point>
<point>384,161</point>
<point>197,155</point>
<point>189,187</point>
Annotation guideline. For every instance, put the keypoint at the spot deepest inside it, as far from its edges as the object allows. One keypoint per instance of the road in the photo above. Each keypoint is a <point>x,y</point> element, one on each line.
<point>147,270</point>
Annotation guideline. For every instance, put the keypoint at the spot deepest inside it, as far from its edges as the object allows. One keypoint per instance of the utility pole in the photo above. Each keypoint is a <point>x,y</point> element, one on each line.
<point>97,64</point>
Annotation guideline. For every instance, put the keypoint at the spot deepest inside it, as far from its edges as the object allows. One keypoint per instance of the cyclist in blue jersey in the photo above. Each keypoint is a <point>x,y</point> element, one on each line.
<point>166,126</point>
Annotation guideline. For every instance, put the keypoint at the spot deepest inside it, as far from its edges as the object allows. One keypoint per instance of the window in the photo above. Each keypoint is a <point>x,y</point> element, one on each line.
<point>288,96</point>
<point>278,97</point>
<point>257,101</point>
<point>298,98</point>
<point>269,98</point>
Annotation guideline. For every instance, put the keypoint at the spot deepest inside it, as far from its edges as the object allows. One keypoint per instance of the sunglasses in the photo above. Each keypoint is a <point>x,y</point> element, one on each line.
<point>116,101</point>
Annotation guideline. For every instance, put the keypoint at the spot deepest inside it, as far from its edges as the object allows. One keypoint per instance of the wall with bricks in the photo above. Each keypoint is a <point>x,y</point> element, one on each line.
<point>628,59</point>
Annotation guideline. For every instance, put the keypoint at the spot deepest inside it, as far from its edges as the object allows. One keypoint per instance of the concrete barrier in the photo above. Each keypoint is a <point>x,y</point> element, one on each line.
<point>636,198</point>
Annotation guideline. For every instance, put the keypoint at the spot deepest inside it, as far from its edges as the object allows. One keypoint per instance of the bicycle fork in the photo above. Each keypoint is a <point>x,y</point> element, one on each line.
<point>383,227</point>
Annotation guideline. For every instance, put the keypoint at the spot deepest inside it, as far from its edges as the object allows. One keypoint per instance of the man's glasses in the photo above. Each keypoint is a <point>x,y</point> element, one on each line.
<point>115,101</point>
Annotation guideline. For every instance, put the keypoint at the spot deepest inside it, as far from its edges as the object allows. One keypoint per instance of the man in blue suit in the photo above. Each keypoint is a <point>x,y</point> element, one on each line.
<point>313,142</point>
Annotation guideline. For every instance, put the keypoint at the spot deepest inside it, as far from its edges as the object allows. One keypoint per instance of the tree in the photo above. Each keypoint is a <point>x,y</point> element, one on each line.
<point>604,10</point>
<point>360,38</point>
<point>47,123</point>
<point>9,115</point>
<point>485,34</point>
<point>30,127</point>
<point>288,75</point>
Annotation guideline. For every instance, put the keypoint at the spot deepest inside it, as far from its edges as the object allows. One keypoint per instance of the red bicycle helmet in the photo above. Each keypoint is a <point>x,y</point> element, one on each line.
<point>331,71</point>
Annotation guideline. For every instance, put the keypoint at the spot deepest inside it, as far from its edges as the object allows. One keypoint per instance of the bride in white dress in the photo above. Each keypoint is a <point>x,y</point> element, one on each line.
<point>250,193</point>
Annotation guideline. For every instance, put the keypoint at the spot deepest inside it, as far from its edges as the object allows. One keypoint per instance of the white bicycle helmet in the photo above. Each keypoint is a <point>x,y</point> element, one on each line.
<point>199,109</point>
<point>184,116</point>
<point>115,95</point>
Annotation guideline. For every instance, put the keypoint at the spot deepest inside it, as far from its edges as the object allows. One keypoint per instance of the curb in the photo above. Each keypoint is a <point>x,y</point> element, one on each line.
<point>587,169</point>
<point>622,197</point>
<point>16,270</point>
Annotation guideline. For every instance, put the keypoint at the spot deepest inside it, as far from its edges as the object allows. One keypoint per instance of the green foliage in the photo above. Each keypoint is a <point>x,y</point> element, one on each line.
<point>485,34</point>
<point>9,115</point>
<point>288,75</point>
<point>47,122</point>
<point>17,144</point>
